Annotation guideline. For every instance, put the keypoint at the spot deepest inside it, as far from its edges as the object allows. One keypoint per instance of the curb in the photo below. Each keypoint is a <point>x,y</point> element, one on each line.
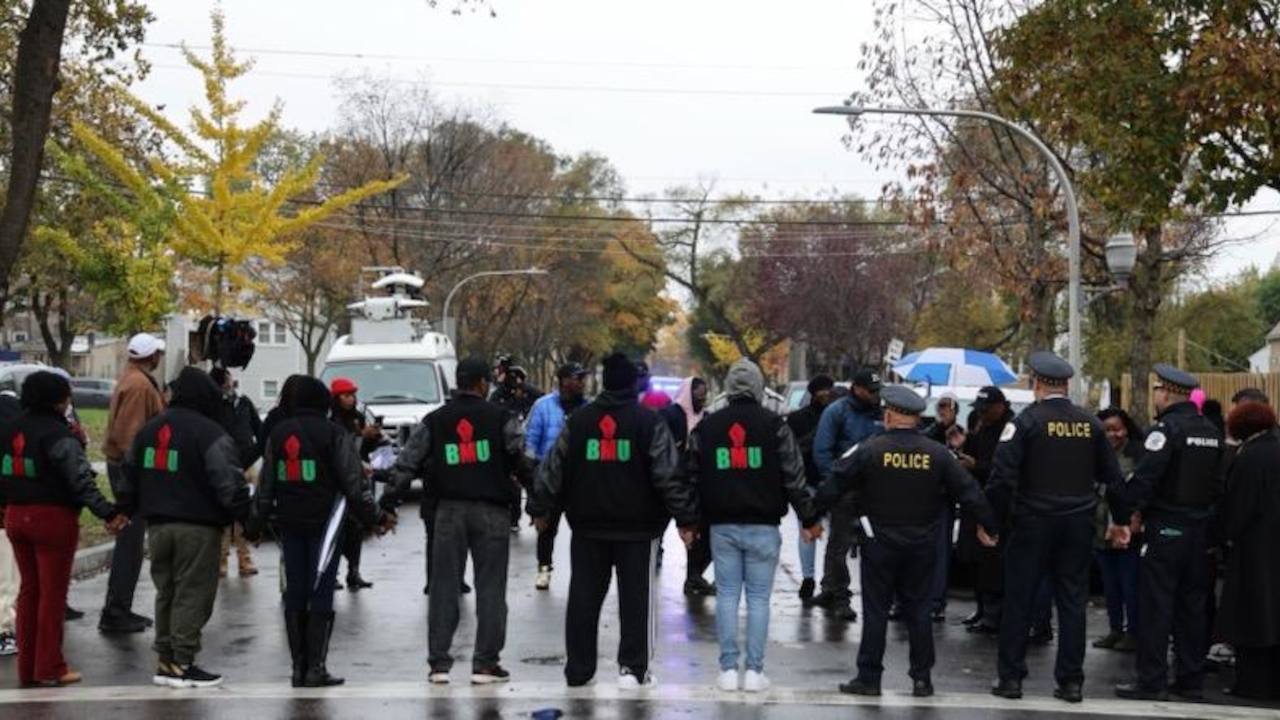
<point>92,560</point>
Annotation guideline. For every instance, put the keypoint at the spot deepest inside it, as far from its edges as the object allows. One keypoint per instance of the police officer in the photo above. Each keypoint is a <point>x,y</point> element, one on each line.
<point>897,479</point>
<point>466,454</point>
<point>1047,467</point>
<point>614,472</point>
<point>1174,486</point>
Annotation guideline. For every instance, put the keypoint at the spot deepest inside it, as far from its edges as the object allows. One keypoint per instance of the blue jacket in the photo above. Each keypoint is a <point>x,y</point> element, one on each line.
<point>546,419</point>
<point>845,423</point>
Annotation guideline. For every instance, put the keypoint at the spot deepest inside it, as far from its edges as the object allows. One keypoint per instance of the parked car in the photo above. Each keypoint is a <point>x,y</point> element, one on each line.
<point>12,375</point>
<point>92,392</point>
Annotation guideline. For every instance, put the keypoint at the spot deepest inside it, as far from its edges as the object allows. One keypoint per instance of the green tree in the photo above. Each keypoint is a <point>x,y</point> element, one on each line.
<point>226,214</point>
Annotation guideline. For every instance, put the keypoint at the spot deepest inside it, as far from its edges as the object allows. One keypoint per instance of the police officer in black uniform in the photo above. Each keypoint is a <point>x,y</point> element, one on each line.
<point>1174,486</point>
<point>466,453</point>
<point>897,480</point>
<point>1048,465</point>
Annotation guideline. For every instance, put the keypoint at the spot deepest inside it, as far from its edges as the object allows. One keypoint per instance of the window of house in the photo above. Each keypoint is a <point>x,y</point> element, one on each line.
<point>270,389</point>
<point>19,336</point>
<point>272,333</point>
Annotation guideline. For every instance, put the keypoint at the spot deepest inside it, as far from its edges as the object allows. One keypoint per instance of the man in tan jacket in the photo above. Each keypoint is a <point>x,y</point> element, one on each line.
<point>136,400</point>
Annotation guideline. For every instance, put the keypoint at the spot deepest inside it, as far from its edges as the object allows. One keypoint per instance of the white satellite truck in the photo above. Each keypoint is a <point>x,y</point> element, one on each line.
<point>403,368</point>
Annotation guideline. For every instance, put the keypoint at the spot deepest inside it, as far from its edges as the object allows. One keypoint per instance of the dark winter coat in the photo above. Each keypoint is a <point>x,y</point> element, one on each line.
<point>1249,514</point>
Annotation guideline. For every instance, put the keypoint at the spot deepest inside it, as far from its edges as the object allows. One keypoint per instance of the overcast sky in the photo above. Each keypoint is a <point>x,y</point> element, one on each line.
<point>671,92</point>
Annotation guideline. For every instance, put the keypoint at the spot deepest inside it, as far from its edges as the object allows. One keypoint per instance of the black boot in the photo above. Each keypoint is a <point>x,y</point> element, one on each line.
<point>295,626</point>
<point>319,628</point>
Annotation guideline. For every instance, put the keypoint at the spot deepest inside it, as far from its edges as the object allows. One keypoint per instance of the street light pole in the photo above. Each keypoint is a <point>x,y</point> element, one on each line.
<point>1073,213</point>
<point>444,313</point>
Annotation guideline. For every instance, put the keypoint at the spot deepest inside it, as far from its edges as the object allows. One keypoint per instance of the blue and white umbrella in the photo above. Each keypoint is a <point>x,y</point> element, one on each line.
<point>954,366</point>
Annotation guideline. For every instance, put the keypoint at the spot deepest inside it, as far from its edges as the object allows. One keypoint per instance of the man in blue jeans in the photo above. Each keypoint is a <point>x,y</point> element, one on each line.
<point>746,465</point>
<point>804,425</point>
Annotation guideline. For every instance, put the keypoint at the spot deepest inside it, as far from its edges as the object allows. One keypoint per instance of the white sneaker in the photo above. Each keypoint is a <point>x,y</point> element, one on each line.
<point>755,682</point>
<point>728,680</point>
<point>627,680</point>
<point>544,577</point>
<point>438,677</point>
<point>8,644</point>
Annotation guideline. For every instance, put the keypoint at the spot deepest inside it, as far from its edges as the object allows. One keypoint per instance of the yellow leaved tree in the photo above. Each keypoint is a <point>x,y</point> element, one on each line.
<point>228,209</point>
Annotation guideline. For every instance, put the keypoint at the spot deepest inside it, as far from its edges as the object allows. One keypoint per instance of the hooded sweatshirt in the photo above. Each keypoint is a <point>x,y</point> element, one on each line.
<point>744,459</point>
<point>183,466</point>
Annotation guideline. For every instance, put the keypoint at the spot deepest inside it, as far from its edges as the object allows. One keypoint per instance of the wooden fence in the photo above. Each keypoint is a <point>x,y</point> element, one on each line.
<point>1217,386</point>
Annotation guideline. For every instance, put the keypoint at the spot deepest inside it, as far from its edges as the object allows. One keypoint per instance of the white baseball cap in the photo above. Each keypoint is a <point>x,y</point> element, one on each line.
<point>144,345</point>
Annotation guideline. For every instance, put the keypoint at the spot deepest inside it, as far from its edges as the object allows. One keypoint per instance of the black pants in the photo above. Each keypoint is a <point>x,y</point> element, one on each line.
<point>515,504</point>
<point>547,540</point>
<point>352,545</point>
<point>903,570</point>
<point>698,555</point>
<point>593,563</point>
<point>301,550</point>
<point>1062,547</point>
<point>1257,673</point>
<point>1172,585</point>
<point>835,561</point>
<point>126,557</point>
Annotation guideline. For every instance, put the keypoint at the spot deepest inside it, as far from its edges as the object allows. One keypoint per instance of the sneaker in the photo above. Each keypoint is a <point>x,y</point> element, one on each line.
<point>755,681</point>
<point>166,674</point>
<point>699,587</point>
<point>1127,643</point>
<point>544,577</point>
<point>8,644</point>
<point>490,676</point>
<point>628,680</point>
<point>73,614</point>
<point>1109,641</point>
<point>120,623</point>
<point>194,676</point>
<point>439,675</point>
<point>728,680</point>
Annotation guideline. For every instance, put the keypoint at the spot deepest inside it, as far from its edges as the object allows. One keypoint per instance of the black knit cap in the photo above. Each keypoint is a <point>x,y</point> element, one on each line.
<point>821,382</point>
<point>620,372</point>
<point>472,370</point>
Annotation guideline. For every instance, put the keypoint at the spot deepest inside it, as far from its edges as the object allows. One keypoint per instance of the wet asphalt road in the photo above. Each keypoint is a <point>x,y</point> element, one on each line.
<point>380,647</point>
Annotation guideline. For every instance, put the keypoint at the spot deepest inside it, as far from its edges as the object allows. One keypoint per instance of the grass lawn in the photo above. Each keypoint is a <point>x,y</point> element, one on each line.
<point>94,421</point>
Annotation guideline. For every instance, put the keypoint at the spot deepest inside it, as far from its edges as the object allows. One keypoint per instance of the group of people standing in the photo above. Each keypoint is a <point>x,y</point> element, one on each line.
<point>1042,495</point>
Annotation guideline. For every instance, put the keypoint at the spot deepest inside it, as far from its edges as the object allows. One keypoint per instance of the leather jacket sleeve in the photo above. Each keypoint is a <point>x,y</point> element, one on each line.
<point>513,445</point>
<point>548,484</point>
<point>664,472</point>
<point>411,462</point>
<point>67,455</point>
<point>794,483</point>
<point>349,474</point>
<point>222,468</point>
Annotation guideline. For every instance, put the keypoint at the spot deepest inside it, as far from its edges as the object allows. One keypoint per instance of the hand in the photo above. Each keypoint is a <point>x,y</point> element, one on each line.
<point>987,540</point>
<point>688,535</point>
<point>1119,535</point>
<point>368,470</point>
<point>372,431</point>
<point>967,462</point>
<point>811,533</point>
<point>117,524</point>
<point>386,524</point>
<point>542,524</point>
<point>1135,523</point>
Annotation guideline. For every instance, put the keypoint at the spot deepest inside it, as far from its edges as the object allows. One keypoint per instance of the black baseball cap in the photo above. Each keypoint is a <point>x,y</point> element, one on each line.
<point>571,369</point>
<point>989,395</point>
<point>869,379</point>
<point>472,369</point>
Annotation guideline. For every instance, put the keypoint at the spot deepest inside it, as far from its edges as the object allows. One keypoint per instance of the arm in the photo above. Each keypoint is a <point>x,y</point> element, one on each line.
<point>791,463</point>
<point>963,489</point>
<point>549,484</point>
<point>349,474</point>
<point>535,434</point>
<point>410,463</point>
<point>513,445</point>
<point>253,452</point>
<point>127,493</point>
<point>222,466</point>
<point>1241,506</point>
<point>134,408</point>
<point>824,439</point>
<point>1007,467</point>
<point>843,478</point>
<point>67,455</point>
<point>1108,471</point>
<point>1133,496</point>
<point>664,472</point>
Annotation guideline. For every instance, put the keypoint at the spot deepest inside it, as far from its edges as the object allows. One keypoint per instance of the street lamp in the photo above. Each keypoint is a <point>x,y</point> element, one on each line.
<point>1073,212</point>
<point>444,314</point>
<point>1122,255</point>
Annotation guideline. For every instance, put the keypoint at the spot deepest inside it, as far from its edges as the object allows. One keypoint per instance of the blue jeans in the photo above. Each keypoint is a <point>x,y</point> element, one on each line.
<point>746,559</point>
<point>808,550</point>
<point>1119,569</point>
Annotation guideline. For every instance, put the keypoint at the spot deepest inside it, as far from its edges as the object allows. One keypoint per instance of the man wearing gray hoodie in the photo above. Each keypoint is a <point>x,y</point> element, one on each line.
<point>747,467</point>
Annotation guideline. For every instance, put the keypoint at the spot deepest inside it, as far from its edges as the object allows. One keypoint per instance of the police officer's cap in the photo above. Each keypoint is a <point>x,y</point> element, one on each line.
<point>1050,368</point>
<point>902,400</point>
<point>1175,380</point>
